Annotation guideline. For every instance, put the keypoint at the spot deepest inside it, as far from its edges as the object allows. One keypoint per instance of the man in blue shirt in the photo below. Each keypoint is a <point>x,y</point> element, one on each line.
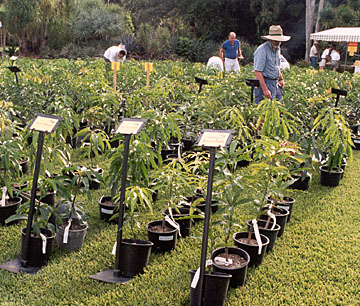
<point>232,52</point>
<point>267,66</point>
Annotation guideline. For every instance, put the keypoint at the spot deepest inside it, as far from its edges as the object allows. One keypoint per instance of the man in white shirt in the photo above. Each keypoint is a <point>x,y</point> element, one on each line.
<point>335,59</point>
<point>314,54</point>
<point>325,56</point>
<point>215,63</point>
<point>115,54</point>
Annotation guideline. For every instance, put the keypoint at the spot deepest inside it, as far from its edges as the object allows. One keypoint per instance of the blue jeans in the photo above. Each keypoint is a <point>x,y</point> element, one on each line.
<point>273,86</point>
<point>313,61</point>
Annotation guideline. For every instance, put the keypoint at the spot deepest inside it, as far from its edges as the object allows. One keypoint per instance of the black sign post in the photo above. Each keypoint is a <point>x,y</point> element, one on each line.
<point>338,93</point>
<point>126,127</point>
<point>15,70</point>
<point>43,124</point>
<point>201,82</point>
<point>211,139</point>
<point>252,83</point>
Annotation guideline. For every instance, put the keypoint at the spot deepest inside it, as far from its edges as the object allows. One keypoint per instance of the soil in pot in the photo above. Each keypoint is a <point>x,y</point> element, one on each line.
<point>268,232</point>
<point>134,255</point>
<point>107,207</point>
<point>163,238</point>
<point>76,236</point>
<point>185,224</point>
<point>330,178</point>
<point>36,257</point>
<point>238,267</point>
<point>281,218</point>
<point>11,205</point>
<point>241,241</point>
<point>215,288</point>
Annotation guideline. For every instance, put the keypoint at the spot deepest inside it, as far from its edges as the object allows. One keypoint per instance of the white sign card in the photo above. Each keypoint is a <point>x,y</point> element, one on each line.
<point>45,123</point>
<point>130,126</point>
<point>215,138</point>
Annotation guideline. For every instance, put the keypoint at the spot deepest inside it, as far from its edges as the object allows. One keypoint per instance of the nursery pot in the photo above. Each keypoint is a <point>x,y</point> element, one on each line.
<point>268,232</point>
<point>134,255</point>
<point>24,164</point>
<point>215,288</point>
<point>255,258</point>
<point>9,210</point>
<point>188,144</point>
<point>167,151</point>
<point>163,241</point>
<point>36,258</point>
<point>286,203</point>
<point>214,206</point>
<point>301,183</point>
<point>75,239</point>
<point>50,198</point>
<point>343,167</point>
<point>107,208</point>
<point>95,184</point>
<point>356,141</point>
<point>185,224</point>
<point>238,273</point>
<point>281,218</point>
<point>330,178</point>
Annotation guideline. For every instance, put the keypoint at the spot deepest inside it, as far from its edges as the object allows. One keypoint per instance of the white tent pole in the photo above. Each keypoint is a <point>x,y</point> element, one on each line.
<point>346,54</point>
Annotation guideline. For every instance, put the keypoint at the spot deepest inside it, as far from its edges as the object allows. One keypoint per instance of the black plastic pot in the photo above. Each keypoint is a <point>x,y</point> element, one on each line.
<point>107,211</point>
<point>188,144</point>
<point>255,258</point>
<point>163,242</point>
<point>167,151</point>
<point>215,288</point>
<point>185,224</point>
<point>268,232</point>
<point>343,167</point>
<point>50,198</point>
<point>330,178</point>
<point>75,239</point>
<point>356,142</point>
<point>281,219</point>
<point>238,274</point>
<point>95,184</point>
<point>214,206</point>
<point>287,204</point>
<point>36,258</point>
<point>134,255</point>
<point>24,164</point>
<point>301,183</point>
<point>9,210</point>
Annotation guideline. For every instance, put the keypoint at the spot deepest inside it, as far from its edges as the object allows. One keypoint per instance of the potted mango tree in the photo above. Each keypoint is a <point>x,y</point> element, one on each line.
<point>335,136</point>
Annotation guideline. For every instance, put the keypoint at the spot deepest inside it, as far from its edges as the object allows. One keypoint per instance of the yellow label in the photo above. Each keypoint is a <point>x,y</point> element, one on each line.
<point>356,64</point>
<point>115,65</point>
<point>129,127</point>
<point>44,124</point>
<point>214,139</point>
<point>149,67</point>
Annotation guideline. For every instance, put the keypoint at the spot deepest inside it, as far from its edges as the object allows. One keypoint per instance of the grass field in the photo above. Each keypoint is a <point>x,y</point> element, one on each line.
<point>316,262</point>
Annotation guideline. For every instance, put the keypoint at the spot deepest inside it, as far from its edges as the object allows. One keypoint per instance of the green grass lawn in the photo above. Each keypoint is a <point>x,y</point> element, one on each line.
<point>316,261</point>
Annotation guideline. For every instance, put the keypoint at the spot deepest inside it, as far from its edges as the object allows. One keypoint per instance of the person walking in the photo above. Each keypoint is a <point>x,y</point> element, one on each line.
<point>335,59</point>
<point>232,51</point>
<point>314,54</point>
<point>325,56</point>
<point>267,65</point>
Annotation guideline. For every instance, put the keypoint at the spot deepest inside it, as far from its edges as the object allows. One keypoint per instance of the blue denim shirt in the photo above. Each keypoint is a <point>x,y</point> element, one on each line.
<point>231,50</point>
<point>267,60</point>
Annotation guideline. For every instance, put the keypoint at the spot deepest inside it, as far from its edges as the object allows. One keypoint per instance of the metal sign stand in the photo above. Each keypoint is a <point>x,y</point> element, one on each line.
<point>211,139</point>
<point>338,92</point>
<point>127,127</point>
<point>15,69</point>
<point>252,83</point>
<point>201,82</point>
<point>43,124</point>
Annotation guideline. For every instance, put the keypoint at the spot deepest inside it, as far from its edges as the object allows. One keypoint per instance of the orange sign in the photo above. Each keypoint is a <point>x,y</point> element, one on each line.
<point>352,48</point>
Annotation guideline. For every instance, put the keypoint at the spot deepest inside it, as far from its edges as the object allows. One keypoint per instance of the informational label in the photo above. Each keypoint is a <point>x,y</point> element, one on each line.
<point>115,66</point>
<point>352,48</point>
<point>148,67</point>
<point>283,206</point>
<point>130,126</point>
<point>107,211</point>
<point>197,274</point>
<point>215,138</point>
<point>356,141</point>
<point>166,238</point>
<point>45,123</point>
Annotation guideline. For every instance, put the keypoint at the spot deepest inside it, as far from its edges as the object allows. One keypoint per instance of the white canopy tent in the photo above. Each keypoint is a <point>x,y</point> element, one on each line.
<point>338,35</point>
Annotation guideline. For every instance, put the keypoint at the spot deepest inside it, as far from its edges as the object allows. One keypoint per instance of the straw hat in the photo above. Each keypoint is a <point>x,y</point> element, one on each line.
<point>276,33</point>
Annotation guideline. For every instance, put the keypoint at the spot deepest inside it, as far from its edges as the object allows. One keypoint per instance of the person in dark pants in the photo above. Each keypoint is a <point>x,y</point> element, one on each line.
<point>267,66</point>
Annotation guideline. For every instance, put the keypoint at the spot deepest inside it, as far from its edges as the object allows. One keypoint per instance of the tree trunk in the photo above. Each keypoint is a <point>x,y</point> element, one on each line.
<point>309,25</point>
<point>321,6</point>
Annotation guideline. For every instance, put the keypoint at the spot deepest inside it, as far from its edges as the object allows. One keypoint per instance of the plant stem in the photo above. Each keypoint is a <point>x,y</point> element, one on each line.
<point>250,234</point>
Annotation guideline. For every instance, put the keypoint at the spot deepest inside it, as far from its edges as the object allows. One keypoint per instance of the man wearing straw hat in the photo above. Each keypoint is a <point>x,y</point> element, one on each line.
<point>267,65</point>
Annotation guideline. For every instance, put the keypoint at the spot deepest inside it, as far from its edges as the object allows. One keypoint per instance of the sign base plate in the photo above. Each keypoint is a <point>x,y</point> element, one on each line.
<point>108,276</point>
<point>15,266</point>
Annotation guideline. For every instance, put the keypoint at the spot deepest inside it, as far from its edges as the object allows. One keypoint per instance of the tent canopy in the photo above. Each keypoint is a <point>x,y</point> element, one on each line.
<point>338,34</point>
